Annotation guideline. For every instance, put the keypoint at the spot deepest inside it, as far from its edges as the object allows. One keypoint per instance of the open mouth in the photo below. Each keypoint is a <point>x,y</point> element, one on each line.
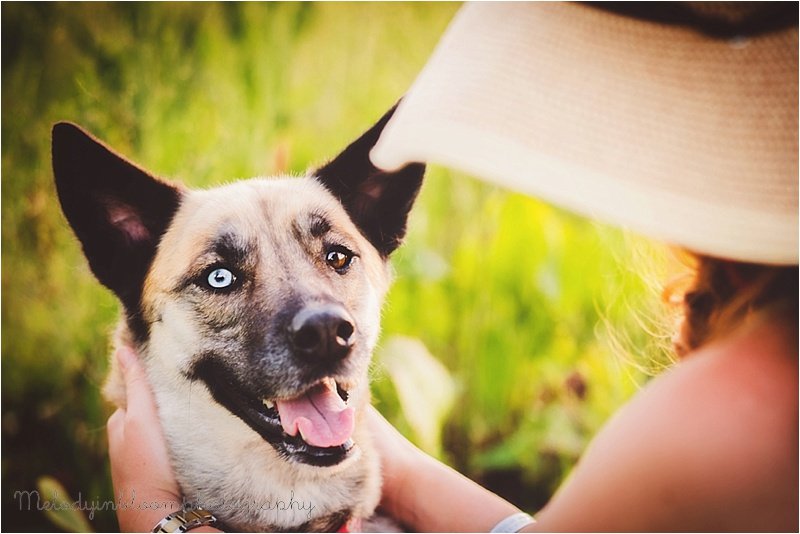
<point>314,427</point>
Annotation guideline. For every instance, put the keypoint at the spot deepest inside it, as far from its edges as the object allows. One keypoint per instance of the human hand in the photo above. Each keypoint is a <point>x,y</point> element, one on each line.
<point>141,473</point>
<point>397,456</point>
<point>425,495</point>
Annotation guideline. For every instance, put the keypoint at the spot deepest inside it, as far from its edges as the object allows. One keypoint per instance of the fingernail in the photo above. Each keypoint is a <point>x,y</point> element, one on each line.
<point>126,357</point>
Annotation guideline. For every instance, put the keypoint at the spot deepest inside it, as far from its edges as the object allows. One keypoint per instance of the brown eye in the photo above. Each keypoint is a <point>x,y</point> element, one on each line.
<point>339,258</point>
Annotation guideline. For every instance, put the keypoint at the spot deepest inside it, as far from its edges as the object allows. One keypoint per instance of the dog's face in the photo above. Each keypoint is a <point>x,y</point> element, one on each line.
<point>267,293</point>
<point>256,302</point>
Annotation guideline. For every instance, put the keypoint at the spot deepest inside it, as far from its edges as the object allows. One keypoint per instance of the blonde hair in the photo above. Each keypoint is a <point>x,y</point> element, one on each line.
<point>722,293</point>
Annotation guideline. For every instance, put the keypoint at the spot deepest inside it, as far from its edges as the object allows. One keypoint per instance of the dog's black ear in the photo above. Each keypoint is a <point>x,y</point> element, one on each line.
<point>117,210</point>
<point>378,202</point>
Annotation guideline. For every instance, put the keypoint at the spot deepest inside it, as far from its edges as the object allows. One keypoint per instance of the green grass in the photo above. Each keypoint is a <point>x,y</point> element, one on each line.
<point>523,304</point>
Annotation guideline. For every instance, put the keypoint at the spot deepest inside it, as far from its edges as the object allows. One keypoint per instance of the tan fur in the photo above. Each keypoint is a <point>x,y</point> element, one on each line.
<point>238,302</point>
<point>201,433</point>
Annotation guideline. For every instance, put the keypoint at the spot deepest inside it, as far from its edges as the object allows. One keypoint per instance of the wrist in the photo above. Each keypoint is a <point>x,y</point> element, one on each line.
<point>515,522</point>
<point>143,511</point>
<point>141,520</point>
<point>189,518</point>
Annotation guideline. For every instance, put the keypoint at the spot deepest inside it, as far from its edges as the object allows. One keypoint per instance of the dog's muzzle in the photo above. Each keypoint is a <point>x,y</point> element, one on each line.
<point>322,333</point>
<point>314,427</point>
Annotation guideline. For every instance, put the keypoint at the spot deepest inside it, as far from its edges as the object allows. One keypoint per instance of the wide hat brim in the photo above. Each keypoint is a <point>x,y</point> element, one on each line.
<point>660,128</point>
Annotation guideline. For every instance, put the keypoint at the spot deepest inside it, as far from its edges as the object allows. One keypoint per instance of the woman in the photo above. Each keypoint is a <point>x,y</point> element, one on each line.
<point>678,121</point>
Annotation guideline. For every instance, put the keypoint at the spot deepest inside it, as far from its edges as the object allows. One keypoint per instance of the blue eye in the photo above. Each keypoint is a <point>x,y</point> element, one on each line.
<point>220,278</point>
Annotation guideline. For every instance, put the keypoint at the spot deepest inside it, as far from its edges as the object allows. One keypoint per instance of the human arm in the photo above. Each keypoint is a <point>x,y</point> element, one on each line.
<point>427,496</point>
<point>708,446</point>
<point>141,473</point>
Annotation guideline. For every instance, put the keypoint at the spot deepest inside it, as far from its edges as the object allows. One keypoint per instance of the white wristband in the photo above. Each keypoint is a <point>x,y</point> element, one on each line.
<point>513,523</point>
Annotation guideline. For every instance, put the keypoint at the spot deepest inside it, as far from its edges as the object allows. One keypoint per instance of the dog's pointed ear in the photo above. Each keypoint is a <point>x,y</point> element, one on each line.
<point>117,210</point>
<point>378,202</point>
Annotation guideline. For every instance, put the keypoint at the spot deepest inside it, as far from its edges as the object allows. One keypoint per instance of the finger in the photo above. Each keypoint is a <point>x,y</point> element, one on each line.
<point>137,390</point>
<point>115,429</point>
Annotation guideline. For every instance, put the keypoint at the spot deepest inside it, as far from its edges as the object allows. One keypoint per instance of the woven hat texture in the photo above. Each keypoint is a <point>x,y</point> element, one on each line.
<point>686,135</point>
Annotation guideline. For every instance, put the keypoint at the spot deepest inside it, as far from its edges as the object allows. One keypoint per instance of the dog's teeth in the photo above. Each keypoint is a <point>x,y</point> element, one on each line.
<point>268,403</point>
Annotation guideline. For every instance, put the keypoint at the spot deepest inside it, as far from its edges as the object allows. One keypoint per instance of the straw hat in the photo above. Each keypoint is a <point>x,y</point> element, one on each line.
<point>678,123</point>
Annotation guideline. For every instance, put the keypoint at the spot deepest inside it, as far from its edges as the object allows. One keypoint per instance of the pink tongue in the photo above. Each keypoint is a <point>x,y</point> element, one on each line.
<point>321,416</point>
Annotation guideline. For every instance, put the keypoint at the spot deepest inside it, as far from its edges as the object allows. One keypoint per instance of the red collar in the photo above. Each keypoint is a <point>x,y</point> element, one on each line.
<point>351,525</point>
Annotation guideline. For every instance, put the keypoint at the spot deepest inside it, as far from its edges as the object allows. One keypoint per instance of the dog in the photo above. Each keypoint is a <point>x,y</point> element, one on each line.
<point>254,308</point>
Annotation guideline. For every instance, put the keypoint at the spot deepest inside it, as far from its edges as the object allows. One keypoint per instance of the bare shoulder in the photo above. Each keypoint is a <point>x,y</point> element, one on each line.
<point>710,445</point>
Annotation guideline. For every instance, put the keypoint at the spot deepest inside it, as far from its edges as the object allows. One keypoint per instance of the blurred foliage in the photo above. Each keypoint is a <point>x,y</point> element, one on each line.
<point>65,512</point>
<point>528,308</point>
<point>425,389</point>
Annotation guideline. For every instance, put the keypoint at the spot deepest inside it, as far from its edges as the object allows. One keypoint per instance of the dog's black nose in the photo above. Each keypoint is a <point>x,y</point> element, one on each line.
<point>322,332</point>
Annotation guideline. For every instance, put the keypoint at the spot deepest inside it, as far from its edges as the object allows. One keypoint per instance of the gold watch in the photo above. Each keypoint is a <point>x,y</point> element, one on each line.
<point>185,519</point>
